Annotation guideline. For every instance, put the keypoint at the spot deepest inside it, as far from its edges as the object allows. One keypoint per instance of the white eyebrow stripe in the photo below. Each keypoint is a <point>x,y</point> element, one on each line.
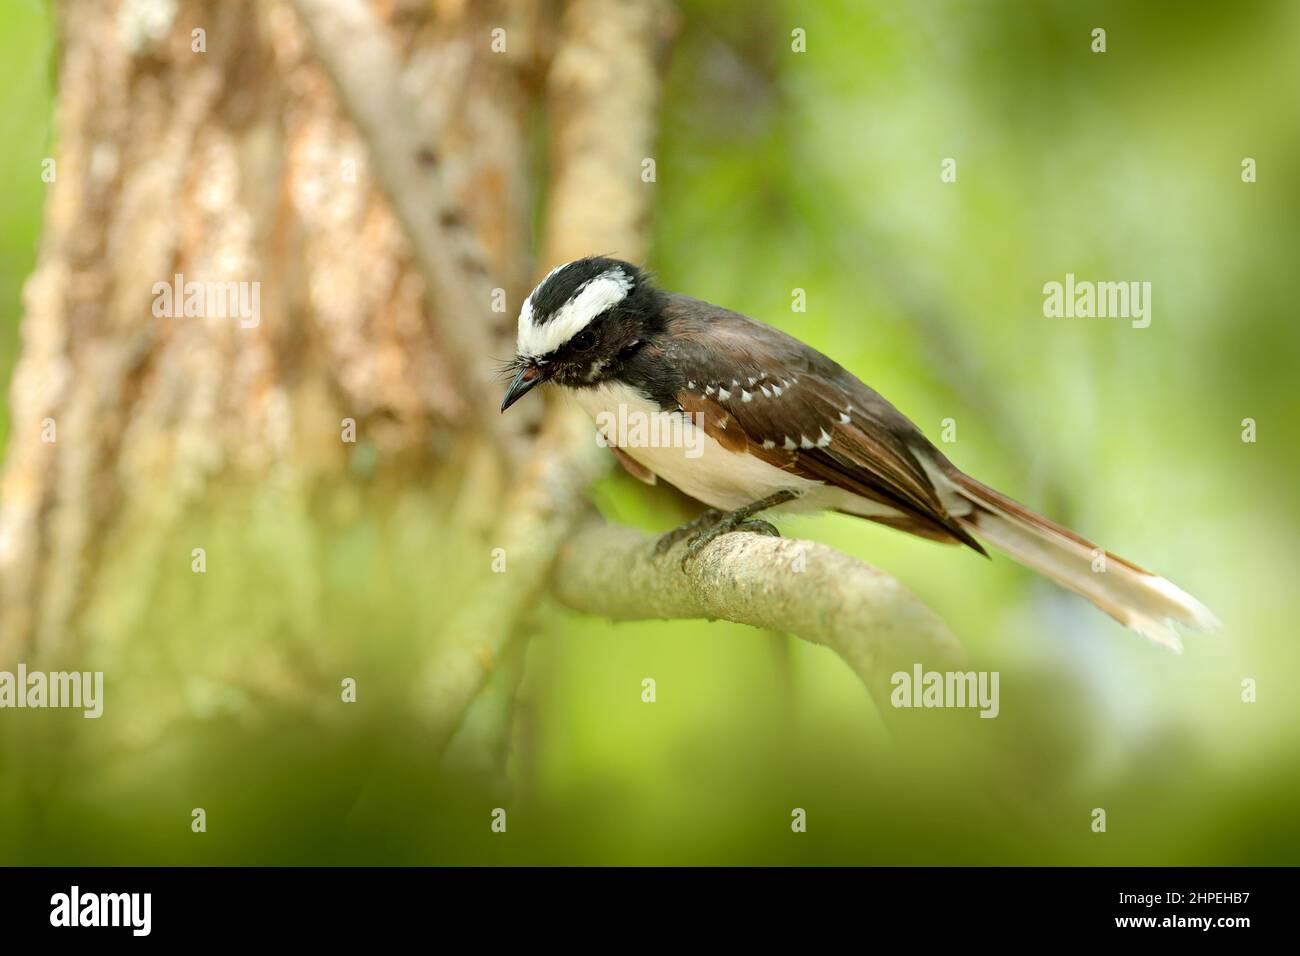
<point>592,298</point>
<point>527,309</point>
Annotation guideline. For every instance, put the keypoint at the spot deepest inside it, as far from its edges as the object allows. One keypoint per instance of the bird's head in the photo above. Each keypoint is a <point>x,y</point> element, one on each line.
<point>580,324</point>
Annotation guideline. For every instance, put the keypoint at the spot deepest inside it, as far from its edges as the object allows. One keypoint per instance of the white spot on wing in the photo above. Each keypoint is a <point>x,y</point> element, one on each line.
<point>746,396</point>
<point>723,394</point>
<point>823,439</point>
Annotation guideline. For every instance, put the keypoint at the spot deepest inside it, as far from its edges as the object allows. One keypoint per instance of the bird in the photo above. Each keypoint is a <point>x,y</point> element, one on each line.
<point>766,423</point>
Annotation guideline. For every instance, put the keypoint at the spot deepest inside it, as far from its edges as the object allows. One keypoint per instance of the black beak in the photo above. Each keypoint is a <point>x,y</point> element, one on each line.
<point>528,376</point>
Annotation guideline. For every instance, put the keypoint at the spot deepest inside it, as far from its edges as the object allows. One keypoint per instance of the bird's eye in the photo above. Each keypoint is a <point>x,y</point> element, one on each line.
<point>583,341</point>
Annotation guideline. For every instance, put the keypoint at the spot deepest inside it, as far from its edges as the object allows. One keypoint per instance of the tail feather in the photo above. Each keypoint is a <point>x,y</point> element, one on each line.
<point>1133,596</point>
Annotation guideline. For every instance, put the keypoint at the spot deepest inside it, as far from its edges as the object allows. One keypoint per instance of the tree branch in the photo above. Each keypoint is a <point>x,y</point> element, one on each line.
<point>867,617</point>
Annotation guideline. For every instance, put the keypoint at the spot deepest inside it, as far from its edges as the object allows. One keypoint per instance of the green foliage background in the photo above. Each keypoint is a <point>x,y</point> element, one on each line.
<point>820,171</point>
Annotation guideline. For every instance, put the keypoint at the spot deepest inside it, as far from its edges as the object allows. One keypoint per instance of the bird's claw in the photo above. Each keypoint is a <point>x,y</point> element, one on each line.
<point>727,525</point>
<point>713,524</point>
<point>688,531</point>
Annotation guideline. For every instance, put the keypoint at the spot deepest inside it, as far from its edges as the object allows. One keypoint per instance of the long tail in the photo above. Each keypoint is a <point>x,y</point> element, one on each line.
<point>1136,598</point>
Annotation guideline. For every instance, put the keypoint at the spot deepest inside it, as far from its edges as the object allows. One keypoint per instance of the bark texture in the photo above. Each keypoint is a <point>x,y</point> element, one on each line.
<point>206,139</point>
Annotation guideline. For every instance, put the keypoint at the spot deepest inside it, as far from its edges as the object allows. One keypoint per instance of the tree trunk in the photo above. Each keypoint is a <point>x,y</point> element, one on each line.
<point>234,506</point>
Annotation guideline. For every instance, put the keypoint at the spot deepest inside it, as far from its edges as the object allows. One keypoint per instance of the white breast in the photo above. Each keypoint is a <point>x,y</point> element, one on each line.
<point>678,451</point>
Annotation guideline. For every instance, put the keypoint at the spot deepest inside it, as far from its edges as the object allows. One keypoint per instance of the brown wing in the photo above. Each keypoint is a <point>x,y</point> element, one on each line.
<point>767,394</point>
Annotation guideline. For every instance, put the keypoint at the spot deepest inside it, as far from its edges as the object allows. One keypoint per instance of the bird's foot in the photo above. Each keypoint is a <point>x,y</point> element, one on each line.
<point>713,524</point>
<point>688,531</point>
<point>727,524</point>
